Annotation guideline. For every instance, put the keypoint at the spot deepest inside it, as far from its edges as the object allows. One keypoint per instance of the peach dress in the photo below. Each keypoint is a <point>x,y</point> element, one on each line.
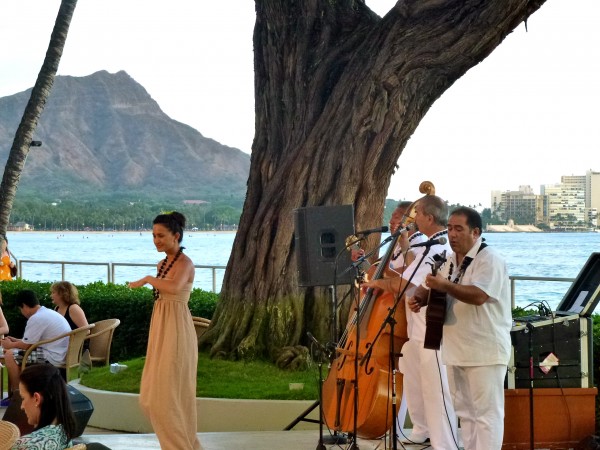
<point>168,388</point>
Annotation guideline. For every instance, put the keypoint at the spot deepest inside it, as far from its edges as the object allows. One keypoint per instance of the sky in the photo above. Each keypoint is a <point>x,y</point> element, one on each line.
<point>524,116</point>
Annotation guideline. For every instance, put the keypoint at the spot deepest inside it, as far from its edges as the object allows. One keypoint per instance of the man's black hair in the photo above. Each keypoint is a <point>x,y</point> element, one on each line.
<point>26,297</point>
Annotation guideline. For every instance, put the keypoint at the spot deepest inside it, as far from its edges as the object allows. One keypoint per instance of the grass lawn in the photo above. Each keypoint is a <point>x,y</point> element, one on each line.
<point>219,379</point>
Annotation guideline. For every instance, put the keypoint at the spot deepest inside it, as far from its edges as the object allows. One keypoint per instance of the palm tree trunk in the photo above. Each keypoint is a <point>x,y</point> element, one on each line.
<point>33,111</point>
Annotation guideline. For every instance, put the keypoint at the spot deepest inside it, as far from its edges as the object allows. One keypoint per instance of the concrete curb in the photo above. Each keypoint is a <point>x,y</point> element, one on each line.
<point>121,412</point>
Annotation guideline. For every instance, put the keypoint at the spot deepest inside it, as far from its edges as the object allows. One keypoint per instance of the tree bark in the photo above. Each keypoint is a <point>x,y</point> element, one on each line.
<point>338,93</point>
<point>33,111</point>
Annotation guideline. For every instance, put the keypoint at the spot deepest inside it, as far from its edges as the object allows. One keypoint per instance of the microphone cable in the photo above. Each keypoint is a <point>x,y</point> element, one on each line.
<point>454,438</point>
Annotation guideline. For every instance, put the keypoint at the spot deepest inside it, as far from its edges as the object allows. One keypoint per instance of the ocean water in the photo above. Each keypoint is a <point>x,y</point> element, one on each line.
<point>559,255</point>
<point>210,249</point>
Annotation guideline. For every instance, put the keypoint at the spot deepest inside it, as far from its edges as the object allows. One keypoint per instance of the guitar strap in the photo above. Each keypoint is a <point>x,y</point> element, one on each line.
<point>482,246</point>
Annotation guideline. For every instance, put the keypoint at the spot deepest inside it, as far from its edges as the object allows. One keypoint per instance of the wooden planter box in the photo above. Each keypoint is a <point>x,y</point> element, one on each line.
<point>562,417</point>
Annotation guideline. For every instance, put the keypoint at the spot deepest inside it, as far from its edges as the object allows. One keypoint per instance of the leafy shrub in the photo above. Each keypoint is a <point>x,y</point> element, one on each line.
<point>106,301</point>
<point>595,365</point>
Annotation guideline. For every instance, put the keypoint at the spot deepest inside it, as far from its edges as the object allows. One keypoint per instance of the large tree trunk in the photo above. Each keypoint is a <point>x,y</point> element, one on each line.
<point>338,92</point>
<point>33,111</point>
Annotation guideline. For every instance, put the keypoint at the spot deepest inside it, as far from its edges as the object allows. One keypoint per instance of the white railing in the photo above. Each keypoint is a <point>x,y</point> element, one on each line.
<point>110,268</point>
<point>515,278</point>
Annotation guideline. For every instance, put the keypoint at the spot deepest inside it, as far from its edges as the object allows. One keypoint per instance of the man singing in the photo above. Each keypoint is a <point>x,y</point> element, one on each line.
<point>476,338</point>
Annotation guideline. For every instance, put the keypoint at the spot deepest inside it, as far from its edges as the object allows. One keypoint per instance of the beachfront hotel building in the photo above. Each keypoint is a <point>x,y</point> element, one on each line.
<point>571,204</point>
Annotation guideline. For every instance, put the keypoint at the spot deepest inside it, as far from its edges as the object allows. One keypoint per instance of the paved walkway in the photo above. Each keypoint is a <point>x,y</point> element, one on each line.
<point>247,440</point>
<point>250,440</point>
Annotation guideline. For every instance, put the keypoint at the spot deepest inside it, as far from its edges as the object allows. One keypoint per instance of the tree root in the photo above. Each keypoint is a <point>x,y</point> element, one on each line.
<point>291,358</point>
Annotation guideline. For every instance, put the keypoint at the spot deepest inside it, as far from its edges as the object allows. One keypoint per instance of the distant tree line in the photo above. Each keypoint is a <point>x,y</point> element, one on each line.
<point>122,213</point>
<point>486,213</point>
<point>127,213</point>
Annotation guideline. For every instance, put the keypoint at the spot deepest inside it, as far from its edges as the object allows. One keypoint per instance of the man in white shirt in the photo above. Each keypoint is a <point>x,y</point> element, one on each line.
<point>476,345</point>
<point>42,324</point>
<point>403,255</point>
<point>425,380</point>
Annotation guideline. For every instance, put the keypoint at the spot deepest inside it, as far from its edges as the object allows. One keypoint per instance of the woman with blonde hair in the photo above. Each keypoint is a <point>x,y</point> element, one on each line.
<point>66,298</point>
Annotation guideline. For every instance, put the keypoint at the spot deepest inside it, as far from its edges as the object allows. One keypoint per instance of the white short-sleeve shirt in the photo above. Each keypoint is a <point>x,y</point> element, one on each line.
<point>47,324</point>
<point>479,335</point>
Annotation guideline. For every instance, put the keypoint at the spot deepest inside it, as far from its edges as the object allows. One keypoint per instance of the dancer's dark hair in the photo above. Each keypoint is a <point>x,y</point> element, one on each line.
<point>174,221</point>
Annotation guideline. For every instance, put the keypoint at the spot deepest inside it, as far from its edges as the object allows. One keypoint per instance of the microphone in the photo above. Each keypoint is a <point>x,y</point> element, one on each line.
<point>408,227</point>
<point>373,230</point>
<point>441,240</point>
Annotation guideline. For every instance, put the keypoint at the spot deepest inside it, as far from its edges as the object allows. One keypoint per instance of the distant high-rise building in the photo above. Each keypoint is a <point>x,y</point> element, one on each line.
<point>525,189</point>
<point>572,204</point>
<point>520,206</point>
<point>495,201</point>
<point>592,190</point>
<point>566,202</point>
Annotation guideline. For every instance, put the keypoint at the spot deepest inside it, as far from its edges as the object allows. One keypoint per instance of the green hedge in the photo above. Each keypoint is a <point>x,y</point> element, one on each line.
<point>106,301</point>
<point>596,364</point>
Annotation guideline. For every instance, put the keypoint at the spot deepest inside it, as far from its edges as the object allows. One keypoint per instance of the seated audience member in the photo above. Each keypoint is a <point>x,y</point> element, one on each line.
<point>48,409</point>
<point>3,322</point>
<point>42,324</point>
<point>66,298</point>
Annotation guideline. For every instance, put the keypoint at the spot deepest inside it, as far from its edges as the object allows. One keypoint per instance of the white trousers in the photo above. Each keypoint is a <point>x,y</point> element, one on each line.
<point>425,387</point>
<point>478,396</point>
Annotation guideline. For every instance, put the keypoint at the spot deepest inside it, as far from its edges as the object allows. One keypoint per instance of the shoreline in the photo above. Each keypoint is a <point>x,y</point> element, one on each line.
<point>117,231</point>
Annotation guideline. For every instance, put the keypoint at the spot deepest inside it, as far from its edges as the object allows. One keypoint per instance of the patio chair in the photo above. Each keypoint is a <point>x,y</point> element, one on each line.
<point>101,340</point>
<point>9,433</point>
<point>73,358</point>
<point>201,325</point>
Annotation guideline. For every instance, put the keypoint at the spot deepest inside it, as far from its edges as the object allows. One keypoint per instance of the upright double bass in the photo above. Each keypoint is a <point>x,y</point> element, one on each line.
<point>357,393</point>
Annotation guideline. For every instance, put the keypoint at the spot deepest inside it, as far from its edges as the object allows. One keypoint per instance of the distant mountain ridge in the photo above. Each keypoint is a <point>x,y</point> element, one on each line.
<point>103,133</point>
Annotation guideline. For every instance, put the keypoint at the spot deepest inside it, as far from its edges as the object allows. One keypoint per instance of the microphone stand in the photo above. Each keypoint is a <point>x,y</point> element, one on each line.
<point>333,288</point>
<point>392,310</point>
<point>392,322</point>
<point>354,444</point>
<point>363,258</point>
<point>336,438</point>
<point>322,352</point>
<point>355,266</point>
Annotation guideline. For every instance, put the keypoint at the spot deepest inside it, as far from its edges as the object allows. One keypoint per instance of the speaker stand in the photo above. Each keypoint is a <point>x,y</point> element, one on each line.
<point>335,438</point>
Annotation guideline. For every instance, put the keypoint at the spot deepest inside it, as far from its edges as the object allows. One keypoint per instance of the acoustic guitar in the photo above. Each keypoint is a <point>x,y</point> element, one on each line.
<point>435,315</point>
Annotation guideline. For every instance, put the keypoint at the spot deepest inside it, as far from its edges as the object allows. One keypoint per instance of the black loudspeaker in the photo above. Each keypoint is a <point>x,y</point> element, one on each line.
<point>81,405</point>
<point>320,235</point>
